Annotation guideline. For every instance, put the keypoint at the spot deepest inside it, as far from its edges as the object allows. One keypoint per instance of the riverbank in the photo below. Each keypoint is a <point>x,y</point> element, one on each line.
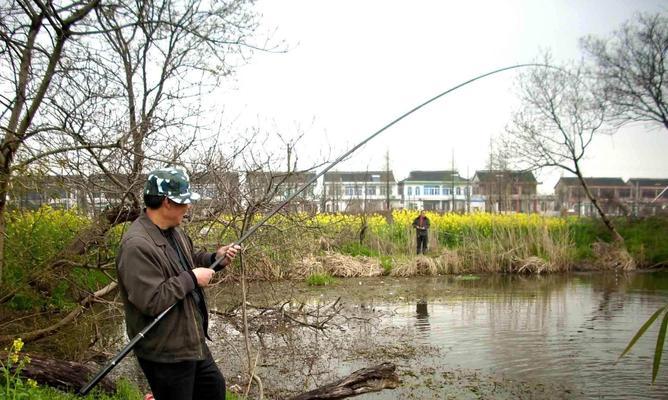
<point>40,274</point>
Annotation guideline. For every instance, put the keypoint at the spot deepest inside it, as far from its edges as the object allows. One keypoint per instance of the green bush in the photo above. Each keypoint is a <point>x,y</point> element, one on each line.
<point>356,249</point>
<point>387,263</point>
<point>320,279</point>
<point>35,237</point>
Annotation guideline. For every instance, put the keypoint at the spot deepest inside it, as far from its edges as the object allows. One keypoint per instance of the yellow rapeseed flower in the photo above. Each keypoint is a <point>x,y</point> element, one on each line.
<point>18,344</point>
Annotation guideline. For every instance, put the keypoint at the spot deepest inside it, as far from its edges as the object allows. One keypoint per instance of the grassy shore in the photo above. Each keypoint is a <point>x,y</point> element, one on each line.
<point>315,247</point>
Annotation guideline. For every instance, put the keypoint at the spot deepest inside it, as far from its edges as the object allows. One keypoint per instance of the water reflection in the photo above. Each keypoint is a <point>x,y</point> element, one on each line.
<point>422,316</point>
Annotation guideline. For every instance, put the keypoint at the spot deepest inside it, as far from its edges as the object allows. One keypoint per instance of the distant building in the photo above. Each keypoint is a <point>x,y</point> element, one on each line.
<point>59,191</point>
<point>506,191</point>
<point>220,191</point>
<point>355,191</point>
<point>612,194</point>
<point>648,196</point>
<point>443,191</point>
<point>275,187</point>
<point>546,205</point>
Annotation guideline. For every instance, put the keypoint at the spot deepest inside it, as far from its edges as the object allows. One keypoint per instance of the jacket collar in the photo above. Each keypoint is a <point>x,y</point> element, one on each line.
<point>160,240</point>
<point>152,229</point>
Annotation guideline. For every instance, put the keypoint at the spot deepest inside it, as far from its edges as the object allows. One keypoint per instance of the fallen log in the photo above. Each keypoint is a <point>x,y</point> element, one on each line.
<point>68,376</point>
<point>366,380</point>
<point>71,376</point>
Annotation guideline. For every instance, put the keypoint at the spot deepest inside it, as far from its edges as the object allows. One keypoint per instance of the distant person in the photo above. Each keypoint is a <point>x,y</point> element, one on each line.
<point>421,225</point>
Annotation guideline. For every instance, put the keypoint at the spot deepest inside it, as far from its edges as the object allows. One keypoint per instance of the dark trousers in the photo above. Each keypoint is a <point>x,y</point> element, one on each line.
<point>421,243</point>
<point>185,380</point>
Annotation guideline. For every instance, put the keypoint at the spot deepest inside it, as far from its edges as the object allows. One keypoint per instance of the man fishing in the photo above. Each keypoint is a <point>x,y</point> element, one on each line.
<point>421,225</point>
<point>158,267</point>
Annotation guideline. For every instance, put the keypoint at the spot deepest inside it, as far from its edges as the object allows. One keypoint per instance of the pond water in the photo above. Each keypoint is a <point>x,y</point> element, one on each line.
<point>498,336</point>
<point>484,337</point>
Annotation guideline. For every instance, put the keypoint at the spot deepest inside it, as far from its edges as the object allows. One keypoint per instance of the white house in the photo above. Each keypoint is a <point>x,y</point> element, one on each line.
<point>355,191</point>
<point>438,191</point>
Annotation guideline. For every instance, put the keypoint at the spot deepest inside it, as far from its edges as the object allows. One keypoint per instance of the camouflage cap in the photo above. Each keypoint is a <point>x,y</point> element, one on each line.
<point>171,182</point>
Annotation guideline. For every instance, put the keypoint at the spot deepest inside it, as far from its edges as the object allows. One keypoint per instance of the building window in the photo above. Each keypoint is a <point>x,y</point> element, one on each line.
<point>624,193</point>
<point>648,193</point>
<point>432,190</point>
<point>375,178</point>
<point>607,193</point>
<point>458,191</point>
<point>410,191</point>
<point>383,190</point>
<point>350,191</point>
<point>370,190</point>
<point>417,190</point>
<point>446,191</point>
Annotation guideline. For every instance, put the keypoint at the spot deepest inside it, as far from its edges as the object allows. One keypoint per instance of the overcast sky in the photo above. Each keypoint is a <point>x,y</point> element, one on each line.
<point>354,66</point>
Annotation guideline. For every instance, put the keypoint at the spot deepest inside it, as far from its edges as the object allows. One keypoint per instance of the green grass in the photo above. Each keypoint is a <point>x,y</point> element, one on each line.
<point>387,263</point>
<point>320,280</point>
<point>644,238</point>
<point>357,249</point>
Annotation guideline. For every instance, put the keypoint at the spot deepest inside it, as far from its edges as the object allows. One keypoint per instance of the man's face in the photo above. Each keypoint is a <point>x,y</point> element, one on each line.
<point>174,212</point>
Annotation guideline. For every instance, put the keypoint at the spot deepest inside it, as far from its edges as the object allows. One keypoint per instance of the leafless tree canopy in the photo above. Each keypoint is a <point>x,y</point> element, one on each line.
<point>559,117</point>
<point>111,88</point>
<point>557,121</point>
<point>630,67</point>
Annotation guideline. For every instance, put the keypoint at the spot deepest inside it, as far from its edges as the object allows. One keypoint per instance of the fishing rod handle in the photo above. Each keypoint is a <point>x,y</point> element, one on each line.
<point>121,355</point>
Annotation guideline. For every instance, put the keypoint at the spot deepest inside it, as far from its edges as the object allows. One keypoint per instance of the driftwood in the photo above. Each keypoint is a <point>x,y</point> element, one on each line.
<point>372,379</point>
<point>64,375</point>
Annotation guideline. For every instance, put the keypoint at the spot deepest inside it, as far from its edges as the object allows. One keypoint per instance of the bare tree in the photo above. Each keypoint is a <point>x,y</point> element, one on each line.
<point>165,57</point>
<point>631,66</point>
<point>107,90</point>
<point>33,41</point>
<point>558,119</point>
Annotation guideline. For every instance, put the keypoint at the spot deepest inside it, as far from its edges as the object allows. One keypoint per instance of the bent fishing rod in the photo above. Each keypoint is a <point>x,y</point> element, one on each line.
<point>216,267</point>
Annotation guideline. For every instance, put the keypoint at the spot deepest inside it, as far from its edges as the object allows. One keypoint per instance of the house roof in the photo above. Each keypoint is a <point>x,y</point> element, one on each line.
<point>433,176</point>
<point>359,176</point>
<point>659,183</point>
<point>590,181</point>
<point>505,175</point>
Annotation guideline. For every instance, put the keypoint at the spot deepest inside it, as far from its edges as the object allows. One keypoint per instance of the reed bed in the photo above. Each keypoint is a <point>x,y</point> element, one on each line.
<point>346,245</point>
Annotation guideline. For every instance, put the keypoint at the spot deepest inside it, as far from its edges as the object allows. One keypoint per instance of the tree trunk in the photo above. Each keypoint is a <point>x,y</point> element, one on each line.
<point>617,238</point>
<point>366,380</point>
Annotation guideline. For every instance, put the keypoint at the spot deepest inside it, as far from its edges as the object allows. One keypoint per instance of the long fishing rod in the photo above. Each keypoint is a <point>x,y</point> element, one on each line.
<point>215,266</point>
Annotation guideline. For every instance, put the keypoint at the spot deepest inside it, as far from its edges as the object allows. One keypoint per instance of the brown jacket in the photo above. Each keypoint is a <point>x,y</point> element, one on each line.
<point>151,279</point>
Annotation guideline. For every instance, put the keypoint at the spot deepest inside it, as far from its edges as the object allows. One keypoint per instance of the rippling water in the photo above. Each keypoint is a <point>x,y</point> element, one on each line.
<point>567,330</point>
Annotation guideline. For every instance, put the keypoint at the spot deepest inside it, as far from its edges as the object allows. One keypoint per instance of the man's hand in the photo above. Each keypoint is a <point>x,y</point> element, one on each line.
<point>228,252</point>
<point>203,276</point>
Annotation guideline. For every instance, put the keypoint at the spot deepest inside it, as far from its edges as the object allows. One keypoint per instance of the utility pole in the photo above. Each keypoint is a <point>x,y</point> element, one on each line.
<point>468,191</point>
<point>387,180</point>
<point>452,179</point>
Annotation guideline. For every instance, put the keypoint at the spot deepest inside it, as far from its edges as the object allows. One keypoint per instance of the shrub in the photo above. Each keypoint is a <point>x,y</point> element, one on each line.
<point>320,279</point>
